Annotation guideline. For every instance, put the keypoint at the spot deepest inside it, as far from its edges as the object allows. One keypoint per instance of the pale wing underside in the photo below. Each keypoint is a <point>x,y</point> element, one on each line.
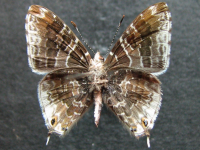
<point>135,97</point>
<point>63,99</point>
<point>51,44</point>
<point>145,44</point>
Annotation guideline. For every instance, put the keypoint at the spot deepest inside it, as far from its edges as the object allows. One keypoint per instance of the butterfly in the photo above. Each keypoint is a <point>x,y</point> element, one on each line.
<point>126,82</point>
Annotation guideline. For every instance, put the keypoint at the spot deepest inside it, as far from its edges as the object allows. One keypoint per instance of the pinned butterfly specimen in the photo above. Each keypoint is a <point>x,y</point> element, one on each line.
<point>125,82</point>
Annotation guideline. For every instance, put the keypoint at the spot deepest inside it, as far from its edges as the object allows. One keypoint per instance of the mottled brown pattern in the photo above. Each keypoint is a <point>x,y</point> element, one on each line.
<point>140,91</point>
<point>46,34</point>
<point>126,82</point>
<point>68,97</point>
<point>149,30</point>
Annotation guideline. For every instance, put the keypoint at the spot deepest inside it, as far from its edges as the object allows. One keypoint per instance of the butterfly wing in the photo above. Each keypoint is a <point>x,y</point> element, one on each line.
<point>145,44</point>
<point>135,98</point>
<point>64,97</point>
<point>51,44</point>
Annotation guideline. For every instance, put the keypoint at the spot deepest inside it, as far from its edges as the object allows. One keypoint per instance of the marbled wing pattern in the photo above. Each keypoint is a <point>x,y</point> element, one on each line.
<point>64,99</point>
<point>126,82</point>
<point>51,44</point>
<point>145,44</point>
<point>135,98</point>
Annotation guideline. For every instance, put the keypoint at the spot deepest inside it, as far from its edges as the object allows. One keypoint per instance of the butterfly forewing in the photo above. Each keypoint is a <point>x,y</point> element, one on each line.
<point>63,99</point>
<point>135,97</point>
<point>51,44</point>
<point>145,44</point>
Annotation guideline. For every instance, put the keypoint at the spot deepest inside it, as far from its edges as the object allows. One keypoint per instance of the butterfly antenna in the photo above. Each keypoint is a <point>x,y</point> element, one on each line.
<point>115,33</point>
<point>75,26</point>
<point>48,137</point>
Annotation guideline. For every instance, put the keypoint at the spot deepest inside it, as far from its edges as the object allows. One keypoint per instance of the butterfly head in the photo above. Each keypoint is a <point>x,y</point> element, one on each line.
<point>96,65</point>
<point>98,57</point>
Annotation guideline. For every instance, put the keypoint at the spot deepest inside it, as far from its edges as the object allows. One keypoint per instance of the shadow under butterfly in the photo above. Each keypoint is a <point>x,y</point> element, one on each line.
<point>126,81</point>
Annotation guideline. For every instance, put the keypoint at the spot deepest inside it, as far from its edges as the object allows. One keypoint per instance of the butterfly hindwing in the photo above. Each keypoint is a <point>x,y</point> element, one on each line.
<point>135,98</point>
<point>64,99</point>
<point>145,44</point>
<point>51,44</point>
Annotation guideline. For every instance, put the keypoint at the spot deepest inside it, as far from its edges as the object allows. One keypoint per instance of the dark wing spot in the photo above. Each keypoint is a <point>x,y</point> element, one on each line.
<point>144,122</point>
<point>53,121</point>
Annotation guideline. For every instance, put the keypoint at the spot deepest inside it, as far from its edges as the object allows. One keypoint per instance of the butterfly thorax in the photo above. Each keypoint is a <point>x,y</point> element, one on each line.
<point>97,71</point>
